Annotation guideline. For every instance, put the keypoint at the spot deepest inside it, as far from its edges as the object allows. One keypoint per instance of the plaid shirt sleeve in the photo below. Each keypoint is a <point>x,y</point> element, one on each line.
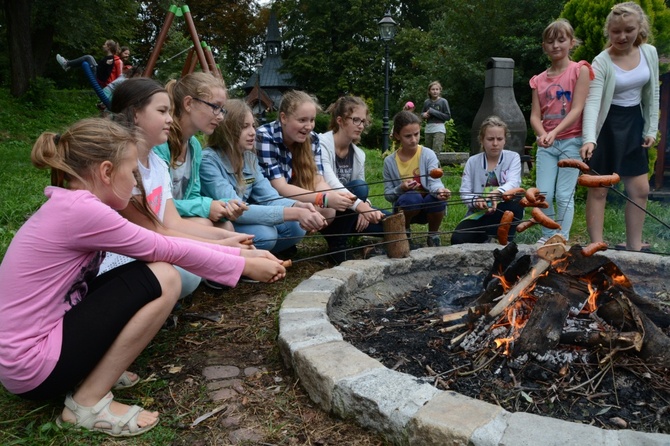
<point>270,156</point>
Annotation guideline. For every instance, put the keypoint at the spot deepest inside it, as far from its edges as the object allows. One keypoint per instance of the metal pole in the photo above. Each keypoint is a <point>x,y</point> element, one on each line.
<point>385,126</point>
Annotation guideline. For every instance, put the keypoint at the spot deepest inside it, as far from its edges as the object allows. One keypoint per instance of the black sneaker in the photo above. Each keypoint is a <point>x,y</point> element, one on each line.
<point>433,240</point>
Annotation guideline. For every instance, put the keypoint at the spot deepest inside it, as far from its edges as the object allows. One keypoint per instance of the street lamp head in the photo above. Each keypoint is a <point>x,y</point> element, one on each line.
<point>387,27</point>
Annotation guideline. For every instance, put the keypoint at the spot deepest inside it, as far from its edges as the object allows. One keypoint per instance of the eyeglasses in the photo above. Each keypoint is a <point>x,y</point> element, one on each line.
<point>216,109</point>
<point>358,121</point>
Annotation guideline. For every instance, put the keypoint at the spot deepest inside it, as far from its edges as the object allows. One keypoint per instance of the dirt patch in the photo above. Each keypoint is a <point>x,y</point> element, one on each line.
<point>622,392</point>
<point>263,403</point>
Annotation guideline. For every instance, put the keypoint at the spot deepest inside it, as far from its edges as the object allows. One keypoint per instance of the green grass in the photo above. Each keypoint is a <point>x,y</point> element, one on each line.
<point>21,193</point>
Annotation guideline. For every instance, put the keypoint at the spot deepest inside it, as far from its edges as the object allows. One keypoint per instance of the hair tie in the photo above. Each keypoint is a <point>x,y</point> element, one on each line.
<point>56,138</point>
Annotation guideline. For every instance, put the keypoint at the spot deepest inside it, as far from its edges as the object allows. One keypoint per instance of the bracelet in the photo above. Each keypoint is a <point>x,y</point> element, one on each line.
<point>318,201</point>
<point>325,200</point>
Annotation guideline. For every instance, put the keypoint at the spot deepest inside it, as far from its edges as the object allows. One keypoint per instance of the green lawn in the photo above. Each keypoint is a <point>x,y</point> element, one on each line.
<point>21,187</point>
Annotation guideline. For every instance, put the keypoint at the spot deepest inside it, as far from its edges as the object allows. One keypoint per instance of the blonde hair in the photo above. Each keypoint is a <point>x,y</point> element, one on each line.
<point>491,121</point>
<point>432,84</point>
<point>224,140</point>
<point>343,108</point>
<point>304,166</point>
<point>622,10</point>
<point>195,85</point>
<point>76,153</point>
<point>558,28</point>
<point>112,47</point>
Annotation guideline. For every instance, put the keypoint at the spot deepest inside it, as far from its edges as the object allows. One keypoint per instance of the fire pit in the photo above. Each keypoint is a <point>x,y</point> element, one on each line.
<point>406,409</point>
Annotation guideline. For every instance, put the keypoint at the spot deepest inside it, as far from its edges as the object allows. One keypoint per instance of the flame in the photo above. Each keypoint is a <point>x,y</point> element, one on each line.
<point>620,279</point>
<point>591,305</point>
<point>515,317</point>
<point>505,284</point>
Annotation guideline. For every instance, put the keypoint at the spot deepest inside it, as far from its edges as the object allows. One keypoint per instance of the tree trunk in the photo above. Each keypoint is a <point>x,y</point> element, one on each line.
<point>18,14</point>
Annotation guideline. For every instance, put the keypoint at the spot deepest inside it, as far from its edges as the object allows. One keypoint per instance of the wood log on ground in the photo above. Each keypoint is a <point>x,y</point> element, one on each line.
<point>395,238</point>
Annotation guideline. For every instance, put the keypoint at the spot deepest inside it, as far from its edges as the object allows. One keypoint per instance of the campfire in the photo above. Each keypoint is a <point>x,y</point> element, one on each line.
<point>555,331</point>
<point>566,301</point>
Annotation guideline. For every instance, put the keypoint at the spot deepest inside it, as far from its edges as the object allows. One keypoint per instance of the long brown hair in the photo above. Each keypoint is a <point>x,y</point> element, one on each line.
<point>196,85</point>
<point>343,108</point>
<point>304,166</point>
<point>225,139</point>
<point>76,153</point>
<point>131,97</point>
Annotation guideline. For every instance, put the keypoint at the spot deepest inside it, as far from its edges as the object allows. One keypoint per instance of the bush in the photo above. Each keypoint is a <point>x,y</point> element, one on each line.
<point>40,92</point>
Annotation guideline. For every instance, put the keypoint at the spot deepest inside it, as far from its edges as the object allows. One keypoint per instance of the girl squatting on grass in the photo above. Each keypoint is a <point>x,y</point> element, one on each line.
<point>63,328</point>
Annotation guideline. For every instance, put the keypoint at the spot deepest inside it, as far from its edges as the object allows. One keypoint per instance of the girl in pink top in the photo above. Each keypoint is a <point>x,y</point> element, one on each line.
<point>559,95</point>
<point>62,327</point>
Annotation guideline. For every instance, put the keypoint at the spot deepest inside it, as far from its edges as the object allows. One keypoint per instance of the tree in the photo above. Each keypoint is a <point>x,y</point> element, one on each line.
<point>332,47</point>
<point>462,39</point>
<point>80,28</point>
<point>588,19</point>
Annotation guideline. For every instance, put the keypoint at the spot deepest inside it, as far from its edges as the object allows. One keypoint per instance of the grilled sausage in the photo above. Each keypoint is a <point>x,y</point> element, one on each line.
<point>592,248</point>
<point>503,228</point>
<point>436,173</point>
<point>524,225</point>
<point>543,220</point>
<point>598,180</point>
<point>577,164</point>
<point>512,193</point>
<point>538,204</point>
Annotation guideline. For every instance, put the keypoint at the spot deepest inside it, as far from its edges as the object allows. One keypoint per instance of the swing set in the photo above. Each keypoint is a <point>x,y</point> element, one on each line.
<point>200,52</point>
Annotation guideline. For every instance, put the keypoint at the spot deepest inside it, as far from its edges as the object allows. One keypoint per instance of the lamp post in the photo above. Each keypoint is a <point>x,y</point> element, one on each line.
<point>258,90</point>
<point>387,29</point>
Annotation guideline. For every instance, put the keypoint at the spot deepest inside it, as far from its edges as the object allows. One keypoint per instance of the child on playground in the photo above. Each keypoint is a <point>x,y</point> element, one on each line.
<point>436,112</point>
<point>487,176</point>
<point>290,157</point>
<point>106,69</point>
<point>407,181</point>
<point>230,171</point>
<point>64,330</point>
<point>344,162</point>
<point>621,116</point>
<point>144,105</point>
<point>559,94</point>
<point>198,100</point>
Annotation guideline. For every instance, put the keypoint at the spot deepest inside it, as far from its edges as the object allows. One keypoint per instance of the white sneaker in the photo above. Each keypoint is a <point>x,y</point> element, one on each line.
<point>542,241</point>
<point>62,61</point>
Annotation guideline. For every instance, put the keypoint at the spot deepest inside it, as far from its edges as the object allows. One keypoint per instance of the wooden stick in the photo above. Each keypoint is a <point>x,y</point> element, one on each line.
<point>540,267</point>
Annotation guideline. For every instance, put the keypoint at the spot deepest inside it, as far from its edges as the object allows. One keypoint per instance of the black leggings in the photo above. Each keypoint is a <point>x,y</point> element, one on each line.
<point>91,326</point>
<point>479,231</point>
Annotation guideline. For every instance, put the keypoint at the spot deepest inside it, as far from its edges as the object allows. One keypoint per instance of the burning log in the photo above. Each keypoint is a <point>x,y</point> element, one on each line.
<point>540,267</point>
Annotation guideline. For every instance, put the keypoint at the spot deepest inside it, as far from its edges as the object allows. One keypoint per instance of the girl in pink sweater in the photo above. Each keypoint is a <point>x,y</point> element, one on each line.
<point>65,329</point>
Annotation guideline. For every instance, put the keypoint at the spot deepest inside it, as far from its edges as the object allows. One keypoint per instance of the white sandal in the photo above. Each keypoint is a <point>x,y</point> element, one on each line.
<point>124,382</point>
<point>101,419</point>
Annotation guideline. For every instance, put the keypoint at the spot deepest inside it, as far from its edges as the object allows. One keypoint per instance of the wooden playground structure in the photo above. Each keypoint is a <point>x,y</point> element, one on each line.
<point>200,52</point>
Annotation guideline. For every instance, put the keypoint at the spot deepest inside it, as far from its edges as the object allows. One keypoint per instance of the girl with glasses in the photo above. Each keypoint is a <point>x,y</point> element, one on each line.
<point>144,105</point>
<point>344,162</point>
<point>290,157</point>
<point>198,106</point>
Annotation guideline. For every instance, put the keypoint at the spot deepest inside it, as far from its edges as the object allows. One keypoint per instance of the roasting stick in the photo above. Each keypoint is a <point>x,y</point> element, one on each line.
<point>607,181</point>
<point>434,173</point>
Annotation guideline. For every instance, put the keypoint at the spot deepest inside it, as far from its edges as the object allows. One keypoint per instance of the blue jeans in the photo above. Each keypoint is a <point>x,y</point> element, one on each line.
<point>273,238</point>
<point>361,189</point>
<point>412,200</point>
<point>79,60</point>
<point>558,183</point>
